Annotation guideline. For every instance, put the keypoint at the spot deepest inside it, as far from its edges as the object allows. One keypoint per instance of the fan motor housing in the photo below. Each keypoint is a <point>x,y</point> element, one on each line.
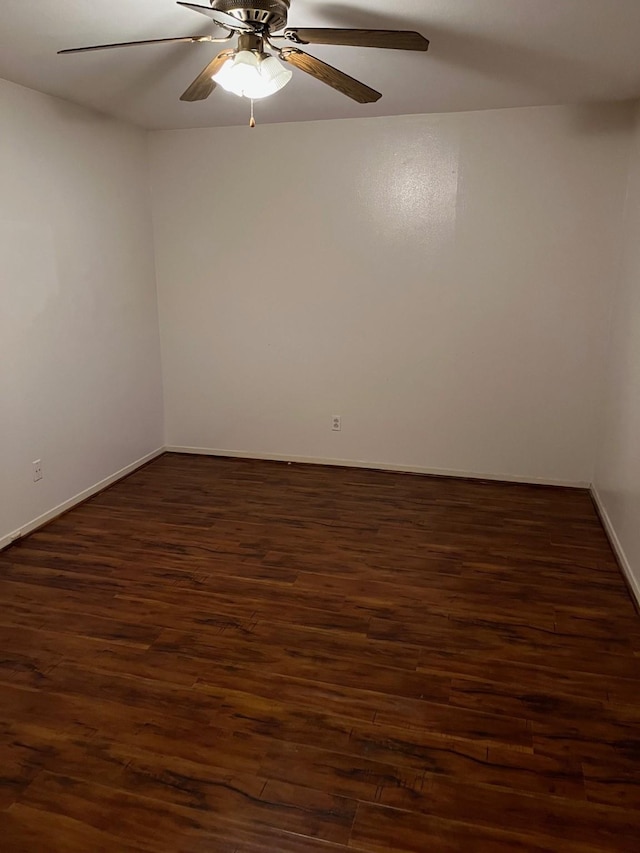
<point>271,14</point>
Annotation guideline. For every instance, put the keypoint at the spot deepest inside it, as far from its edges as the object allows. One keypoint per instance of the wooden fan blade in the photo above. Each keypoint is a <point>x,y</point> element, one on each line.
<point>192,39</point>
<point>393,39</point>
<point>228,22</point>
<point>331,76</point>
<point>203,85</point>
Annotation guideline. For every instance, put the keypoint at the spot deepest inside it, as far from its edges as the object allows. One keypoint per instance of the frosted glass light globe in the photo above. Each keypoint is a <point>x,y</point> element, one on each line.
<point>252,75</point>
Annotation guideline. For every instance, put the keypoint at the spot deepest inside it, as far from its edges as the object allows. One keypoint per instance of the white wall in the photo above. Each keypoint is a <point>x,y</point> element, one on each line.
<point>441,282</point>
<point>80,384</point>
<point>617,480</point>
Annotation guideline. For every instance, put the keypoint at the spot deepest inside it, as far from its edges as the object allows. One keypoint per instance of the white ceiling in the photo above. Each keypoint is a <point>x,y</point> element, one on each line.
<point>484,54</point>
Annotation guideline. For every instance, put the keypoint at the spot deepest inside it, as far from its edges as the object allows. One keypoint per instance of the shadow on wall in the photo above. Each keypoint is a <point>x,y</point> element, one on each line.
<point>605,119</point>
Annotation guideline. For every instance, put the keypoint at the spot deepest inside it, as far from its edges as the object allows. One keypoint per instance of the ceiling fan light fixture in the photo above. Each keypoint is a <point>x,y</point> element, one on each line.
<point>253,75</point>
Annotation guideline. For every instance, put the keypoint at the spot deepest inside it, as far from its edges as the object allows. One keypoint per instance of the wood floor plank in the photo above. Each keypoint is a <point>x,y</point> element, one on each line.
<point>615,788</point>
<point>610,828</point>
<point>600,686</point>
<point>388,830</point>
<point>528,704</point>
<point>235,656</point>
<point>168,805</point>
<point>27,830</point>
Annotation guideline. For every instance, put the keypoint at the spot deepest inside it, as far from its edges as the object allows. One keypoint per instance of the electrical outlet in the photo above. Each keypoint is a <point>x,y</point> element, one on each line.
<point>336,423</point>
<point>37,470</point>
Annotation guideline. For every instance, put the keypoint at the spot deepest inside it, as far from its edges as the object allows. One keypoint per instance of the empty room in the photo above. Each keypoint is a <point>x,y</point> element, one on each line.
<point>320,426</point>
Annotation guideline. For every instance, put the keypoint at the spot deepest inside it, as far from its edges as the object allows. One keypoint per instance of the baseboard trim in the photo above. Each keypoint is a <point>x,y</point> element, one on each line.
<point>46,517</point>
<point>377,466</point>
<point>618,550</point>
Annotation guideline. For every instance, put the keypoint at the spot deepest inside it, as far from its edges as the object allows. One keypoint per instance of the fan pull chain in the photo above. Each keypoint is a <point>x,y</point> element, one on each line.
<point>252,121</point>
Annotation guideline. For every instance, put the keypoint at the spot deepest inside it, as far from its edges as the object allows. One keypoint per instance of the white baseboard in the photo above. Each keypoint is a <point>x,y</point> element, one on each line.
<point>378,466</point>
<point>76,499</point>
<point>314,460</point>
<point>625,565</point>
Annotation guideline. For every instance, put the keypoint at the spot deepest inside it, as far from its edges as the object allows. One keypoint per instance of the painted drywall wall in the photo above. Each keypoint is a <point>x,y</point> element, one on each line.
<point>80,383</point>
<point>441,282</point>
<point>617,478</point>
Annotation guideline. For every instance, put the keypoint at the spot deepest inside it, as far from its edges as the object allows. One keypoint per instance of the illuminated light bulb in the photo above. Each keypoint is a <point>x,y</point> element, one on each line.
<point>252,75</point>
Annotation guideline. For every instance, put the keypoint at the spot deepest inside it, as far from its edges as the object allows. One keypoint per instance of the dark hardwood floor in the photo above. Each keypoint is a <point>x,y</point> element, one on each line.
<point>228,655</point>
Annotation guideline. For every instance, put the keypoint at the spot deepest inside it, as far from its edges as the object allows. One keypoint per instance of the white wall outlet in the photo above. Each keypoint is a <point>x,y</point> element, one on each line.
<point>336,423</point>
<point>37,470</point>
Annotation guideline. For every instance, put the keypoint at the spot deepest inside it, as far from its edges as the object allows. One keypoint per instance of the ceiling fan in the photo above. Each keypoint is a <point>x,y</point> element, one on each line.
<point>250,71</point>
